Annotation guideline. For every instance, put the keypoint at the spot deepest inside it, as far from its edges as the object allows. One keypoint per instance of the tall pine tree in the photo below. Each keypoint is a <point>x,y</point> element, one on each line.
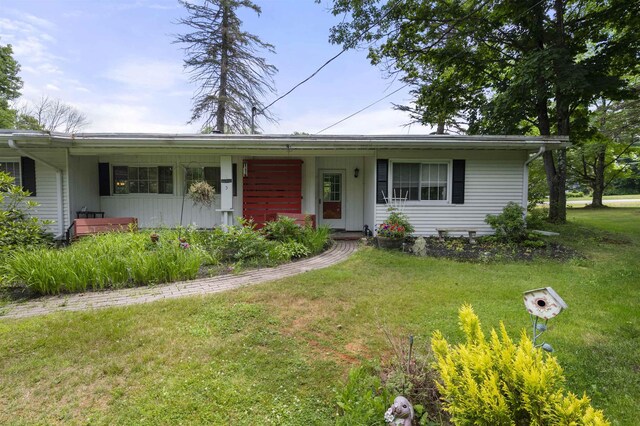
<point>224,61</point>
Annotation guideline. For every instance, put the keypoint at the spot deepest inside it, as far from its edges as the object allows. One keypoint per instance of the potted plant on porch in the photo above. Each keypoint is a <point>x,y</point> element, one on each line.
<point>392,232</point>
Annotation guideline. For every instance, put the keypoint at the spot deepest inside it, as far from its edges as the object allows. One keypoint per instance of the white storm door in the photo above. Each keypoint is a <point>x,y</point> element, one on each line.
<point>331,199</point>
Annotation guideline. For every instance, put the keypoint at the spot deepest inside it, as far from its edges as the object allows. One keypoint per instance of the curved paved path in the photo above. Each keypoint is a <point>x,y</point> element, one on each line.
<point>340,251</point>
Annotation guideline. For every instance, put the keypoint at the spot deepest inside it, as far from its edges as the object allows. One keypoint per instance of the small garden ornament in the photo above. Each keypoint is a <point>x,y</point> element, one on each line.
<point>183,243</point>
<point>400,413</point>
<point>542,303</point>
<point>419,247</point>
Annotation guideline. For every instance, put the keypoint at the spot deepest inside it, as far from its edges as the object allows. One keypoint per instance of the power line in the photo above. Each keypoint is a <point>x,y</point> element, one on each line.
<point>368,106</point>
<point>331,59</point>
<point>407,84</point>
<point>304,81</point>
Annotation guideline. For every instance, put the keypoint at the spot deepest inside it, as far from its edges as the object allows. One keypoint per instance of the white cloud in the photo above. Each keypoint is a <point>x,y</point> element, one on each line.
<point>122,117</point>
<point>36,21</point>
<point>147,74</point>
<point>31,39</point>
<point>52,87</point>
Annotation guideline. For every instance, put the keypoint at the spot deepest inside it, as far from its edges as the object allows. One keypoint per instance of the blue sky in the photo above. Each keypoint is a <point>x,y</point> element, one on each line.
<point>115,61</point>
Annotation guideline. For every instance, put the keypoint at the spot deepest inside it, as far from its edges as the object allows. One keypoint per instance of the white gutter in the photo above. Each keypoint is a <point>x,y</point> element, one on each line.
<point>59,189</point>
<point>525,178</point>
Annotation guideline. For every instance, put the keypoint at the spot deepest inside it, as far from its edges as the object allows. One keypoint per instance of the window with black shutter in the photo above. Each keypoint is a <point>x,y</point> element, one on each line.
<point>457,187</point>
<point>382,180</point>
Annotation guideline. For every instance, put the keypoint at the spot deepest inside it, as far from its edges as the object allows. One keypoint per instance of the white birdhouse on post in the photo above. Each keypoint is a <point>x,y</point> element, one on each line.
<point>544,303</point>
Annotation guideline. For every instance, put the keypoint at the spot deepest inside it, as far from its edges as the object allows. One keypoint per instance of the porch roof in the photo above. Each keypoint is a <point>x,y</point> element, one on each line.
<point>280,142</point>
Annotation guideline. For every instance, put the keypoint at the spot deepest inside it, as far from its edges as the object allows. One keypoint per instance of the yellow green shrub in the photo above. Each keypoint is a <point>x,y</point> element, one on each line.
<point>495,381</point>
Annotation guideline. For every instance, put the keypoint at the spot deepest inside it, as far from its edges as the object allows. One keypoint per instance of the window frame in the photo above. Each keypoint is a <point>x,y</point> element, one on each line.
<point>18,179</point>
<point>448,163</point>
<point>143,194</point>
<point>200,166</point>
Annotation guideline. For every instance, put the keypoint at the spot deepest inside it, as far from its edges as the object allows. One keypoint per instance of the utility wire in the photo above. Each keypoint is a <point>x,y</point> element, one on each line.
<point>330,60</point>
<point>359,111</point>
<point>407,84</point>
<point>304,81</point>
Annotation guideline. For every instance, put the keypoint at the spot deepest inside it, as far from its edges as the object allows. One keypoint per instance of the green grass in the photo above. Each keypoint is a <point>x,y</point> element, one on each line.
<point>273,354</point>
<point>607,197</point>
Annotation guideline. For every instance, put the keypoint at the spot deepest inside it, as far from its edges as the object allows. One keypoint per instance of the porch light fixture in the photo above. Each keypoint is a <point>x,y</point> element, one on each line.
<point>356,172</point>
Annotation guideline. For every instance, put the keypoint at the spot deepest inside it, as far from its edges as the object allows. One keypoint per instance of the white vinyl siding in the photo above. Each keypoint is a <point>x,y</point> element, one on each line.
<point>155,210</point>
<point>46,189</point>
<point>492,179</point>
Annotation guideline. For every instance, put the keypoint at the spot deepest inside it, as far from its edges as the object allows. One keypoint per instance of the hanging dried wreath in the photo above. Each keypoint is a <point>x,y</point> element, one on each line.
<point>201,193</point>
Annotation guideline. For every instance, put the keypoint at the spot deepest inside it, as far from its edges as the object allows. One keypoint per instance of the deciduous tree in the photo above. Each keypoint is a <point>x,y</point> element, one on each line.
<point>609,151</point>
<point>517,67</point>
<point>51,115</point>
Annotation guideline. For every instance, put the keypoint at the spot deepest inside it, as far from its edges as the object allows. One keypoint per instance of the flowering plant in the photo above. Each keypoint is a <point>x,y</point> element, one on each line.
<point>396,226</point>
<point>391,230</point>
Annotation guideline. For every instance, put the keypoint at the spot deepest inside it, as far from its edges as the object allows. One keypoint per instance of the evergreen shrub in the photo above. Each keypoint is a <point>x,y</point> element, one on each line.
<point>498,382</point>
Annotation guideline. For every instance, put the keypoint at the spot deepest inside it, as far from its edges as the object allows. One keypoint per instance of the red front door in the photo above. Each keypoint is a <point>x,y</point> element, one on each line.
<point>270,187</point>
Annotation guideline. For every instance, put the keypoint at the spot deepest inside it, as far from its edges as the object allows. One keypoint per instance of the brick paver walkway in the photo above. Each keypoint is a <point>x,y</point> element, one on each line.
<point>130,296</point>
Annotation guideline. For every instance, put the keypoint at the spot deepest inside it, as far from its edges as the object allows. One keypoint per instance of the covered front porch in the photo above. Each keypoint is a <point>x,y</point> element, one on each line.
<point>338,190</point>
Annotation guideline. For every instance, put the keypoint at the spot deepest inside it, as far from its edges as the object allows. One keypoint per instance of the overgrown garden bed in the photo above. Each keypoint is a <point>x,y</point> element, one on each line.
<point>512,240</point>
<point>492,249</point>
<point>128,259</point>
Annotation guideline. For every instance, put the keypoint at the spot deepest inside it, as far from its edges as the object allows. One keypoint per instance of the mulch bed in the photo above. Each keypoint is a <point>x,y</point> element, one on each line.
<point>487,249</point>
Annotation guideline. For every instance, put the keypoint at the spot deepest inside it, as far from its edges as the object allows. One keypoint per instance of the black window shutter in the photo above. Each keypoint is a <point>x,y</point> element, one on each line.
<point>28,169</point>
<point>382,180</point>
<point>457,187</point>
<point>104,184</point>
<point>234,184</point>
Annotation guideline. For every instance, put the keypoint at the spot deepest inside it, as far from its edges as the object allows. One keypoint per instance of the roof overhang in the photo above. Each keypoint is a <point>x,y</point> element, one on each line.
<point>280,142</point>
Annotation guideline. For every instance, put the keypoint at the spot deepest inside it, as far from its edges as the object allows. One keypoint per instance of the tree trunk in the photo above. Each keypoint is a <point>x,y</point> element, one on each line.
<point>224,68</point>
<point>598,182</point>
<point>555,178</point>
<point>559,213</point>
<point>440,129</point>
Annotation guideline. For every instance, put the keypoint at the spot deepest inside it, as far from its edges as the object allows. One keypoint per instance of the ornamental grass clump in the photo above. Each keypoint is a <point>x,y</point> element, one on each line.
<point>499,382</point>
<point>98,262</point>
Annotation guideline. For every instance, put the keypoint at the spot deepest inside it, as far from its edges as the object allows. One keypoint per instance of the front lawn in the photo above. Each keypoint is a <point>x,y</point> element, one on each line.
<point>274,353</point>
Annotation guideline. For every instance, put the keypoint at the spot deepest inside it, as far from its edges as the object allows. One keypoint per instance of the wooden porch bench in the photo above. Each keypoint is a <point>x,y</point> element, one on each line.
<point>442,232</point>
<point>83,227</point>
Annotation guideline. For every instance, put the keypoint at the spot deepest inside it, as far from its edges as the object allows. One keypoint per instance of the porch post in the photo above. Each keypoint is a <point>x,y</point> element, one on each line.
<point>226,190</point>
<point>309,202</point>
